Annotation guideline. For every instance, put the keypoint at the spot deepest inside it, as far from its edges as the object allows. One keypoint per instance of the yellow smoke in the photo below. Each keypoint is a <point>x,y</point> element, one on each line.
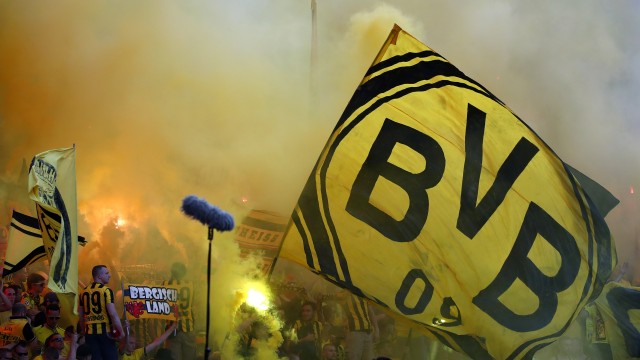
<point>166,99</point>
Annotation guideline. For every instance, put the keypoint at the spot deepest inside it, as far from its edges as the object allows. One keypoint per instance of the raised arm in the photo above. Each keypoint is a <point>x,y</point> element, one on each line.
<point>73,347</point>
<point>161,339</point>
<point>80,326</point>
<point>165,335</point>
<point>115,319</point>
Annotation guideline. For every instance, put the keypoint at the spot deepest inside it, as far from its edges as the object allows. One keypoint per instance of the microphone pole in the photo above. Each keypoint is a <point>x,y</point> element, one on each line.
<point>207,350</point>
<point>215,219</point>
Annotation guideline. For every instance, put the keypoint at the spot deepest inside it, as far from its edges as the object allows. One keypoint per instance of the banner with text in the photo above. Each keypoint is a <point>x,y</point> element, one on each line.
<point>260,234</point>
<point>150,301</point>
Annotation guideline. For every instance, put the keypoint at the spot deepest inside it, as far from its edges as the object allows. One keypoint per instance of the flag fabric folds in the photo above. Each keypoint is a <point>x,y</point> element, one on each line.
<point>25,243</point>
<point>615,320</point>
<point>52,185</point>
<point>431,198</point>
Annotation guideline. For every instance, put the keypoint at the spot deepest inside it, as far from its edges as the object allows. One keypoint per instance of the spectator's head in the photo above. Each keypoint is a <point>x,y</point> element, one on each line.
<point>178,271</point>
<point>68,332</point>
<point>129,343</point>
<point>52,315</point>
<point>50,298</point>
<point>18,291</point>
<point>83,352</point>
<point>100,274</point>
<point>307,311</point>
<point>55,341</point>
<point>10,293</point>
<point>329,352</point>
<point>18,309</point>
<point>35,283</point>
<point>51,353</point>
<point>21,351</point>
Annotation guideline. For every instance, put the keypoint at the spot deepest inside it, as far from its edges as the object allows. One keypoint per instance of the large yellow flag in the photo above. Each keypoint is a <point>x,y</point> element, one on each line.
<point>433,199</point>
<point>52,185</point>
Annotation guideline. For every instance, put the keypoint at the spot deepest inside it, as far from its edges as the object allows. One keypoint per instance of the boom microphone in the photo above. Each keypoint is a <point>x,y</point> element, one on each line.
<point>199,209</point>
<point>215,219</point>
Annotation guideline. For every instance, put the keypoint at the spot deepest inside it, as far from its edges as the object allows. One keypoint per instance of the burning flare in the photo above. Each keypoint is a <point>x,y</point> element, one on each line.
<point>257,300</point>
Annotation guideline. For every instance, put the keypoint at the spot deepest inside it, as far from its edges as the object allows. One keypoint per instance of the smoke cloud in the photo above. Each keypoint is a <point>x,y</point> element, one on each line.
<point>164,99</point>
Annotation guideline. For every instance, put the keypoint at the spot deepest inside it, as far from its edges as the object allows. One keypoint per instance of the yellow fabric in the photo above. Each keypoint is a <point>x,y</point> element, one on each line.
<point>25,243</point>
<point>619,306</point>
<point>432,198</point>
<point>52,185</point>
<point>137,354</point>
<point>4,316</point>
<point>12,331</point>
<point>67,316</point>
<point>43,332</point>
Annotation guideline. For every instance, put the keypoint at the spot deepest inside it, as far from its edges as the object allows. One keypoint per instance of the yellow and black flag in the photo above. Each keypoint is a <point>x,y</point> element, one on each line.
<point>434,200</point>
<point>25,243</point>
<point>52,185</point>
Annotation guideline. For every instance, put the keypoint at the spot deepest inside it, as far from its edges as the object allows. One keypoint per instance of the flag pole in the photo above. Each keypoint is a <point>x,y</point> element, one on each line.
<point>124,306</point>
<point>313,60</point>
<point>314,45</point>
<point>207,350</point>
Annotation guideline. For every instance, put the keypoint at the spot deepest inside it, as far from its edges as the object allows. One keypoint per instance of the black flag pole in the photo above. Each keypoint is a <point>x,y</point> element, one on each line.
<point>215,219</point>
<point>207,350</point>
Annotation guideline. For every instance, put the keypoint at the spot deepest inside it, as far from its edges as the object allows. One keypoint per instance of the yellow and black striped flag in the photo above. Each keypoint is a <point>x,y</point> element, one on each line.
<point>25,243</point>
<point>434,200</point>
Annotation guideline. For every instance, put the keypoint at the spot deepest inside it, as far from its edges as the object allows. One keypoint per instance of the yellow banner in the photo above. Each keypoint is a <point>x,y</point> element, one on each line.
<point>434,200</point>
<point>150,301</point>
<point>260,234</point>
<point>52,185</point>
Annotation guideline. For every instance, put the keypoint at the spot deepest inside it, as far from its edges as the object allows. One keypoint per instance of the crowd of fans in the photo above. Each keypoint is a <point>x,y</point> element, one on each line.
<point>328,326</point>
<point>29,323</point>
<point>338,326</point>
<point>30,316</point>
<point>313,325</point>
